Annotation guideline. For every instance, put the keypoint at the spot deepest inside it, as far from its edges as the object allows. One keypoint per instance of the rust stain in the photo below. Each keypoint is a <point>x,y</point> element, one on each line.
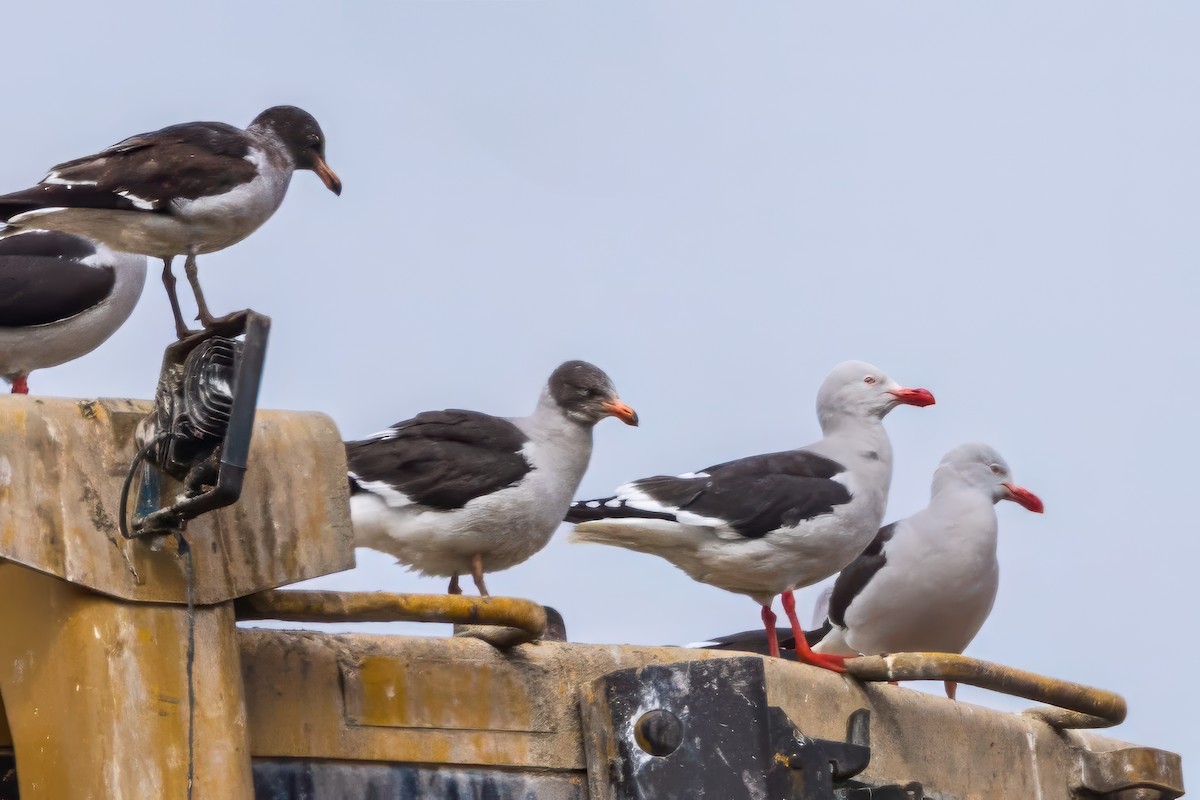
<point>6,479</point>
<point>97,514</point>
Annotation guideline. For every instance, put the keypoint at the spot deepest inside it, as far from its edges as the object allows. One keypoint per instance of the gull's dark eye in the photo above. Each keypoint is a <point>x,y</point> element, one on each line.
<point>996,469</point>
<point>869,380</point>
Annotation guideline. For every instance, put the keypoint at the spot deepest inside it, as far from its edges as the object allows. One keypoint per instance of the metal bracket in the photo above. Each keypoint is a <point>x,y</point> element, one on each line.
<point>817,763</point>
<point>704,729</point>
<point>1131,772</point>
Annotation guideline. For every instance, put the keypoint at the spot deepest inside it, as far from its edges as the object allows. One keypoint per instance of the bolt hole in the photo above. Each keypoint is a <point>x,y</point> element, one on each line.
<point>658,732</point>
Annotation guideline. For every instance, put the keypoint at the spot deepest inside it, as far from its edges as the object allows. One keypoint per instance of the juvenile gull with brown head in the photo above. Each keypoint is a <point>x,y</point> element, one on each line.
<point>187,189</point>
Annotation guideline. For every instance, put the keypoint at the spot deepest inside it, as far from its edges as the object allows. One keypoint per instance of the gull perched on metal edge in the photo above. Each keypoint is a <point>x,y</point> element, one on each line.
<point>454,492</point>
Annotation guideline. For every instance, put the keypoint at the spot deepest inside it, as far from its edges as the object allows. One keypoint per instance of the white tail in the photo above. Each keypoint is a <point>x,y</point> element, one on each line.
<point>657,537</point>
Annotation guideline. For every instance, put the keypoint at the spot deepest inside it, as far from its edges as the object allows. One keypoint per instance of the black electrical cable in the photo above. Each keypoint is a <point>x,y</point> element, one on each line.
<point>123,512</point>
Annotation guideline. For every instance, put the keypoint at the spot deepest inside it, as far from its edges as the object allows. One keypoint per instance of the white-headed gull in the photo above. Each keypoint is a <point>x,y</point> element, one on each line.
<point>187,189</point>
<point>61,297</point>
<point>927,583</point>
<point>765,525</point>
<point>452,492</point>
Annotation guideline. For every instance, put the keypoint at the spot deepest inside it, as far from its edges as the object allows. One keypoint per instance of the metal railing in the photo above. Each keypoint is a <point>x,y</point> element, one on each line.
<point>501,621</point>
<point>1075,705</point>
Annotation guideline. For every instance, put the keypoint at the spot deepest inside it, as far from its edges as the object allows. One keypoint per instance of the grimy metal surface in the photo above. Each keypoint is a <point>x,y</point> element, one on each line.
<point>464,703</point>
<point>96,695</point>
<point>61,467</point>
<point>340,780</point>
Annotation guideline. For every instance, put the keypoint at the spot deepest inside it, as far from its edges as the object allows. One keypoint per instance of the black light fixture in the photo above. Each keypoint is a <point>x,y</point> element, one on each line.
<point>199,431</point>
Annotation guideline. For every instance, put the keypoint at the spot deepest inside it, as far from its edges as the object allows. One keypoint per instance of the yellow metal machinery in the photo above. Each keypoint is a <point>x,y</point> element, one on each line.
<point>115,686</point>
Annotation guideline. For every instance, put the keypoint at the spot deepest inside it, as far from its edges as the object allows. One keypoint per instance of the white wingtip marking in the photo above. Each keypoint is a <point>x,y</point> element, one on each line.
<point>58,180</point>
<point>138,202</point>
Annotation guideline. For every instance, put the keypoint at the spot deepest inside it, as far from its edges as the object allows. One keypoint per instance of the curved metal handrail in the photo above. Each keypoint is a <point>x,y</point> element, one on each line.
<point>525,618</point>
<point>1077,705</point>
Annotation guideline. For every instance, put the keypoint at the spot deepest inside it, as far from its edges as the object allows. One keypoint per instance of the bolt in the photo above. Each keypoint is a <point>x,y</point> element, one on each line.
<point>658,732</point>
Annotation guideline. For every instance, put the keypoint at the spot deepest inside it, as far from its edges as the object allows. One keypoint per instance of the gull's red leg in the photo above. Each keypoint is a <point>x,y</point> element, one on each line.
<point>20,384</point>
<point>803,652</point>
<point>768,618</point>
<point>951,688</point>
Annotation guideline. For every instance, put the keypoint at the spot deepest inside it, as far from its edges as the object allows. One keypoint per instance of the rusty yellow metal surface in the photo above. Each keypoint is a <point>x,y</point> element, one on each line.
<point>322,696</point>
<point>96,694</point>
<point>61,467</point>
<point>540,681</point>
<point>389,693</point>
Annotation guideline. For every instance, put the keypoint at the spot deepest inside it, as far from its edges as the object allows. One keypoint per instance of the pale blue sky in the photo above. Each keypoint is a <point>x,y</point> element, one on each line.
<point>717,204</point>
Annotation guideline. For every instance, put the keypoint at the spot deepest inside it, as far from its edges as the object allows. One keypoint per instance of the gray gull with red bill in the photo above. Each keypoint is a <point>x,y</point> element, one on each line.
<point>187,189</point>
<point>765,525</point>
<point>61,296</point>
<point>461,492</point>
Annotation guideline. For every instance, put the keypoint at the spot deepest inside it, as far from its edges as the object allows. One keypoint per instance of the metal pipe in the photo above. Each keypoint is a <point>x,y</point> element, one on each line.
<point>1092,708</point>
<point>303,606</point>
